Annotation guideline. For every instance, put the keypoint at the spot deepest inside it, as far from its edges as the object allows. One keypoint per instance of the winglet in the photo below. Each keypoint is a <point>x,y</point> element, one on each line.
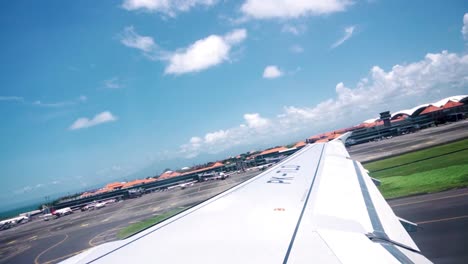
<point>409,226</point>
<point>343,137</point>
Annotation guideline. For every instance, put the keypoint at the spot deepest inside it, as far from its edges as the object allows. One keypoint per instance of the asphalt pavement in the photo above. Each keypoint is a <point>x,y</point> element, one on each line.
<point>443,224</point>
<point>411,142</point>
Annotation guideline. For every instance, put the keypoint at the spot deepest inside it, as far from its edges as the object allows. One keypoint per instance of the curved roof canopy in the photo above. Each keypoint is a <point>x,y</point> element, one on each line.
<point>439,103</point>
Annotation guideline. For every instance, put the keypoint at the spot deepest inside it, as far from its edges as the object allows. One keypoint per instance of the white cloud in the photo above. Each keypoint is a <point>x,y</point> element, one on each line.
<point>204,53</point>
<point>465,27</point>
<point>12,98</point>
<point>24,189</point>
<point>79,100</point>
<point>436,76</point>
<point>294,29</point>
<point>266,9</point>
<point>217,141</point>
<point>29,188</point>
<point>130,38</point>
<point>167,7</point>
<point>256,121</point>
<point>236,36</point>
<point>100,118</point>
<point>113,83</point>
<point>272,72</point>
<point>347,34</point>
<point>200,55</point>
<point>296,49</point>
<point>215,137</point>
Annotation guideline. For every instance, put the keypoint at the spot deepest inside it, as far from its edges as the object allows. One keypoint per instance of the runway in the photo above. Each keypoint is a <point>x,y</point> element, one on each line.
<point>443,221</point>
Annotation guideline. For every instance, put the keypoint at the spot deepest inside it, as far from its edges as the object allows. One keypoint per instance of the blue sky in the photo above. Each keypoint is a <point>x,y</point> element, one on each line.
<point>96,91</point>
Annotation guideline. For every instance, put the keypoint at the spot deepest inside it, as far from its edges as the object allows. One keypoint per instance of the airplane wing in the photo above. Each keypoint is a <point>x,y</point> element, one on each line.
<point>317,205</point>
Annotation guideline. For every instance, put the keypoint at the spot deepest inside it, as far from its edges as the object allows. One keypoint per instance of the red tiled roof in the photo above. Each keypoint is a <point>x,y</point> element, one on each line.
<point>373,124</point>
<point>273,150</point>
<point>300,144</point>
<point>398,118</point>
<point>216,165</point>
<point>451,104</point>
<point>169,174</point>
<point>137,182</point>
<point>323,140</point>
<point>86,194</point>
<point>316,137</point>
<point>114,185</point>
<point>103,190</point>
<point>430,109</point>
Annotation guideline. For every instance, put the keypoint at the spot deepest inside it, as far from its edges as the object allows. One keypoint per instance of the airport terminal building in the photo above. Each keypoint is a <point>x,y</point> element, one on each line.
<point>448,110</point>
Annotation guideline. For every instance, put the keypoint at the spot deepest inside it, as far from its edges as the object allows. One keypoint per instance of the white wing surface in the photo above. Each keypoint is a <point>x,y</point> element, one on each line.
<point>317,206</point>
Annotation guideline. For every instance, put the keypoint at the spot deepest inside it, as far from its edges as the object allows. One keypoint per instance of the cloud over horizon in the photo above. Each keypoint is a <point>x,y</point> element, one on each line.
<point>435,77</point>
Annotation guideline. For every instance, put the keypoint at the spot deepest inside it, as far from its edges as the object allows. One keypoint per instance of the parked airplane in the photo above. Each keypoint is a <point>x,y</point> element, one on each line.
<point>316,206</point>
<point>63,211</point>
<point>99,205</point>
<point>5,224</point>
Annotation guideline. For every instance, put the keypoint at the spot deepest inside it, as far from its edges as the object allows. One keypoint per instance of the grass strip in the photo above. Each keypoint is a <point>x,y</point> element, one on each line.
<point>426,171</point>
<point>417,155</point>
<point>425,182</point>
<point>459,158</point>
<point>142,225</point>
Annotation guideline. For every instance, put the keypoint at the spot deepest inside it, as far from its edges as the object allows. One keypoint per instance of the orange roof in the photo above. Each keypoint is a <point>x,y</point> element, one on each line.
<point>103,190</point>
<point>137,182</point>
<point>373,124</point>
<point>451,104</point>
<point>300,144</point>
<point>114,185</point>
<point>273,150</point>
<point>430,109</point>
<point>86,194</point>
<point>321,140</point>
<point>398,118</point>
<point>216,165</point>
<point>169,174</point>
<point>316,137</point>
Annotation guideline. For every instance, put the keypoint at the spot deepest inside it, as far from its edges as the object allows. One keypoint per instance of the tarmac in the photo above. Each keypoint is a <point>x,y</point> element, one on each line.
<point>410,142</point>
<point>443,217</point>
